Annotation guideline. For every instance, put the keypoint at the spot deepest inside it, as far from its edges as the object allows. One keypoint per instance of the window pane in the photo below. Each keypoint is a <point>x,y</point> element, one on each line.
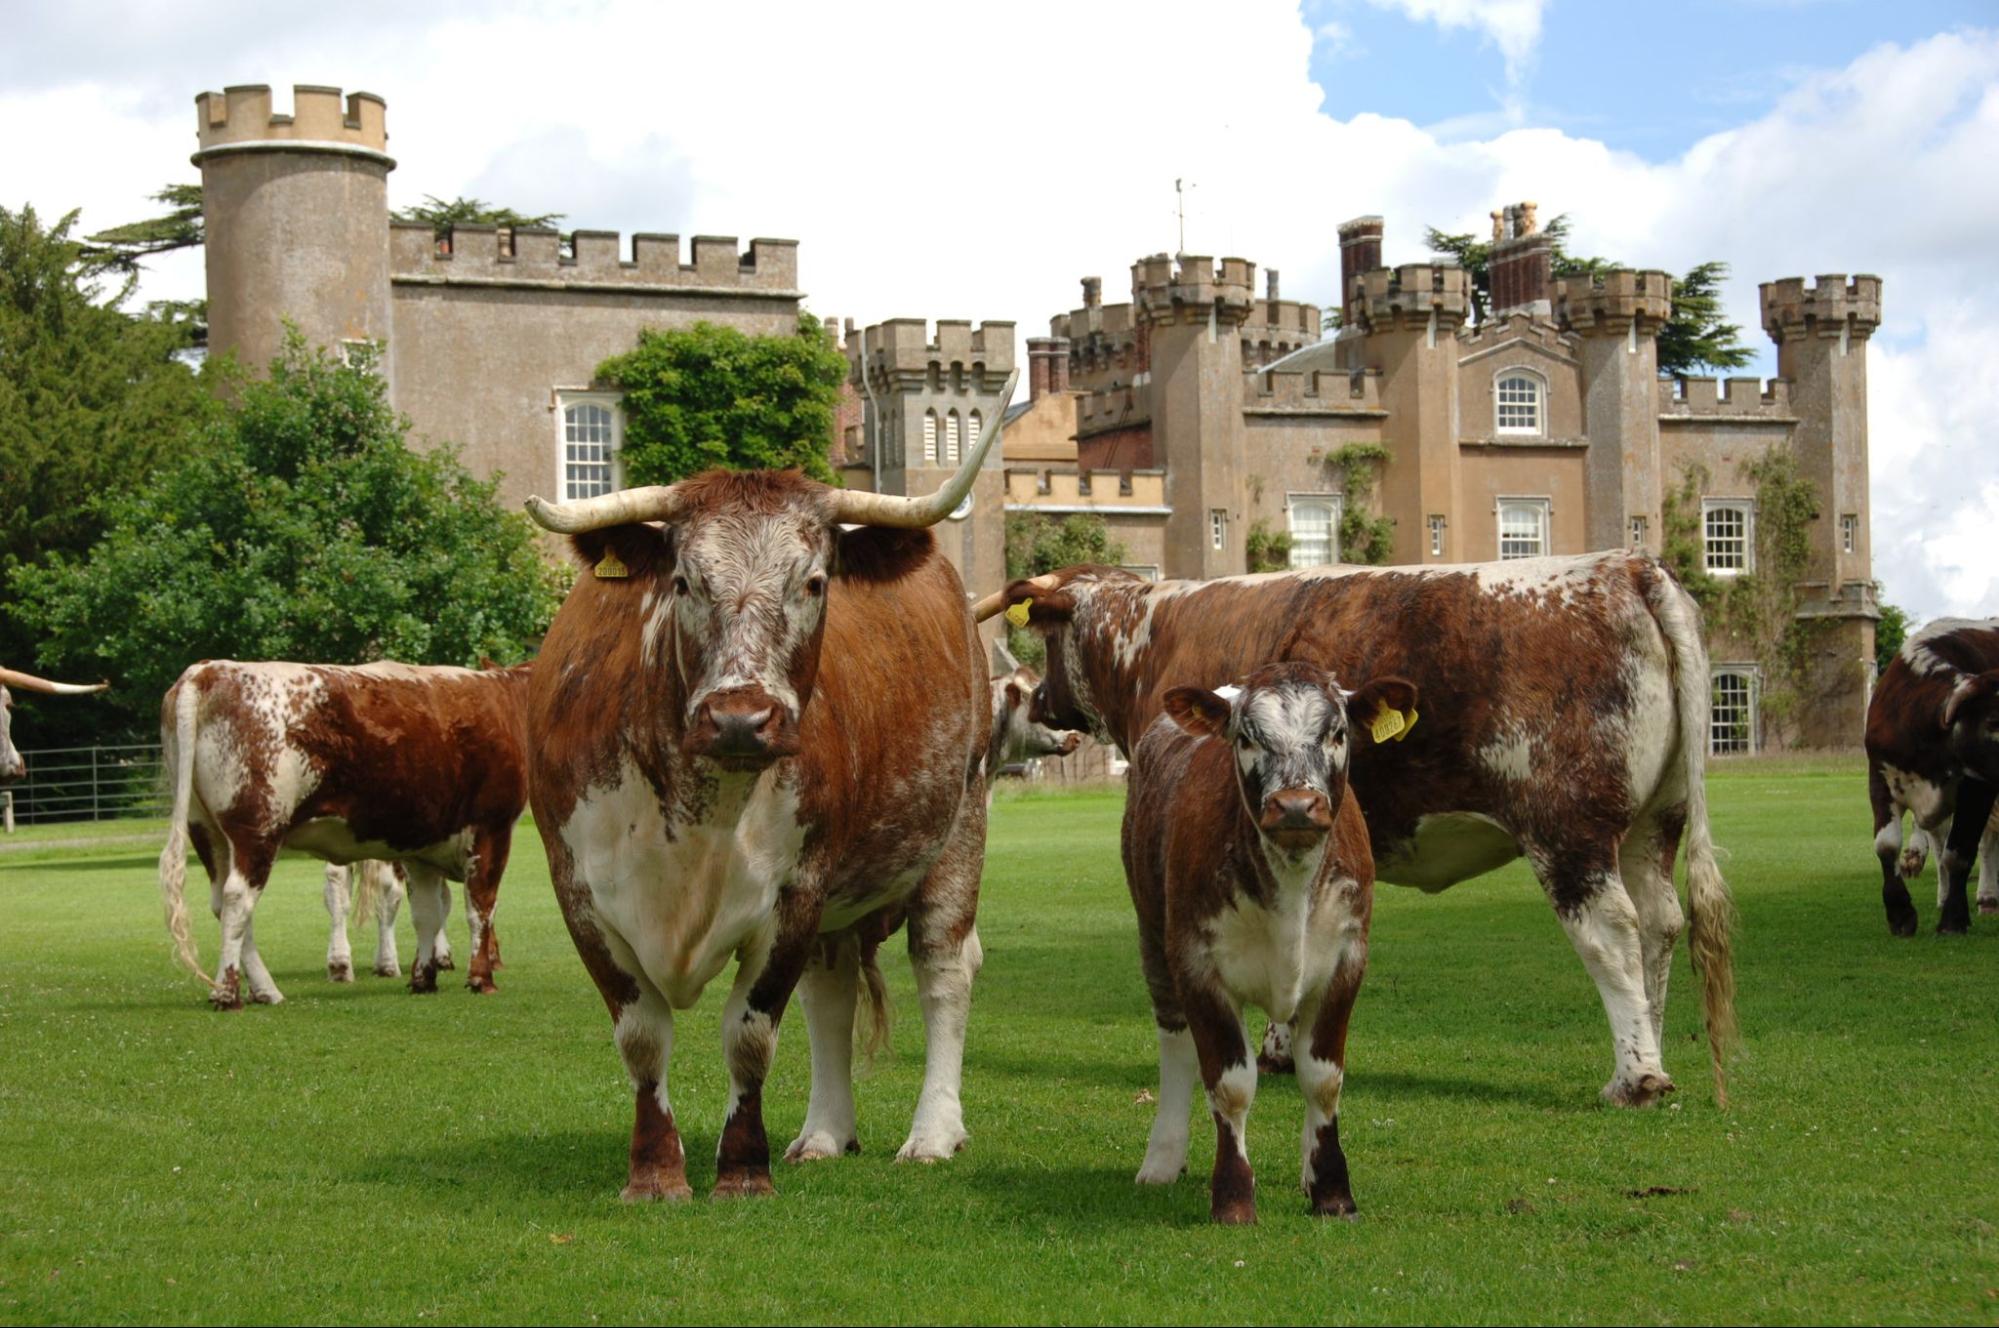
<point>1522,530</point>
<point>587,442</point>
<point>929,435</point>
<point>951,424</point>
<point>1731,722</point>
<point>1727,538</point>
<point>1313,531</point>
<point>1519,404</point>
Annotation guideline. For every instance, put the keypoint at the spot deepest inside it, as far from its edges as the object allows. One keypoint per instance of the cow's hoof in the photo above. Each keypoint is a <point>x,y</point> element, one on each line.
<point>1953,927</point>
<point>1902,924</point>
<point>1240,1213</point>
<point>480,986</point>
<point>423,982</point>
<point>1160,1171</point>
<point>388,970</point>
<point>219,1001</point>
<point>932,1147</point>
<point>1909,866</point>
<point>818,1145</point>
<point>743,1185</point>
<point>1643,1091</point>
<point>444,962</point>
<point>227,994</point>
<point>340,972</point>
<point>271,997</point>
<point>1988,906</point>
<point>1339,1205</point>
<point>657,1189</point>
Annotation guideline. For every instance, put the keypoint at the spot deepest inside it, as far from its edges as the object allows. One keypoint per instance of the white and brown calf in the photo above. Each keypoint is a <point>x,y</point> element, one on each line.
<point>424,766</point>
<point>1250,868</point>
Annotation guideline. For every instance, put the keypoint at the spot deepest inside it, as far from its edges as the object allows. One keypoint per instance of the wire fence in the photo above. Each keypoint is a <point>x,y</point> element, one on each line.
<point>90,784</point>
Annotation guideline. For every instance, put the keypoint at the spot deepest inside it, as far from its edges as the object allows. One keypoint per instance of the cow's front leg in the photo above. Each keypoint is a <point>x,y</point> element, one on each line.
<point>430,901</point>
<point>1179,1069</point>
<point>482,896</point>
<point>339,955</point>
<point>1602,923</point>
<point>829,990</point>
<point>644,1033</point>
<point>1967,828</point>
<point>1322,1060</point>
<point>1229,1073</point>
<point>384,882</point>
<point>1988,871</point>
<point>945,952</point>
<point>766,971</point>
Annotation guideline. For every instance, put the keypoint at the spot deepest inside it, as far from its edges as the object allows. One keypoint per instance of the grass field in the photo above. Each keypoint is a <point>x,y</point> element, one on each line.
<point>359,1154</point>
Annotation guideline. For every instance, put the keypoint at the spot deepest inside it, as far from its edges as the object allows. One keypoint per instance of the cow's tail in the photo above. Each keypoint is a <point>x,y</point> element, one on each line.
<point>871,1030</point>
<point>177,748</point>
<point>1710,908</point>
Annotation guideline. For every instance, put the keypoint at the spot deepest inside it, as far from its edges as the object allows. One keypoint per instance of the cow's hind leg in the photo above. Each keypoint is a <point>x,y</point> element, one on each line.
<point>1975,798</point>
<point>385,881</point>
<point>1988,871</point>
<point>1179,1067</point>
<point>644,1033</point>
<point>829,989</point>
<point>263,987</point>
<point>1645,862</point>
<point>766,971</point>
<point>1896,866</point>
<point>235,898</point>
<point>945,952</point>
<point>339,956</point>
<point>430,901</point>
<point>1603,925</point>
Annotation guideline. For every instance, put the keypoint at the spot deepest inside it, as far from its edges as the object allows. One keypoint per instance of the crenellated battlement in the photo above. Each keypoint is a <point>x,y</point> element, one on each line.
<point>1282,391</point>
<point>1612,302</point>
<point>1408,295</point>
<point>1831,305</point>
<point>1502,329</point>
<point>322,120</point>
<point>495,254</point>
<point>1292,322</point>
<point>1166,289</point>
<point>1066,488</point>
<point>1109,408</point>
<point>907,346</point>
<point>1733,397</point>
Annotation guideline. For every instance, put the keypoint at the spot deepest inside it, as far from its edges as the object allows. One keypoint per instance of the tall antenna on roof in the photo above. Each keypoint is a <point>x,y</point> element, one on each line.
<point>1180,188</point>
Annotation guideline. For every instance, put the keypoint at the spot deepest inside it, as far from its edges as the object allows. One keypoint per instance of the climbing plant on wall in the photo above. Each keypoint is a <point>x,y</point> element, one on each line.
<point>1365,537</point>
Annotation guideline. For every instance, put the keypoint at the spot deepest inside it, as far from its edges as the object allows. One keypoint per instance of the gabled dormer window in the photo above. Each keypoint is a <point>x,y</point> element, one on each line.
<point>1518,403</point>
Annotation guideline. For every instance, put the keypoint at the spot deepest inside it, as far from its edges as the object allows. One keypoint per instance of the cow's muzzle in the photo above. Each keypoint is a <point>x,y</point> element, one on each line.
<point>743,729</point>
<point>1296,819</point>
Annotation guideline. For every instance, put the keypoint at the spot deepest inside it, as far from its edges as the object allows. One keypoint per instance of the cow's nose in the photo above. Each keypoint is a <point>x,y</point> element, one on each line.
<point>742,729</point>
<point>1297,819</point>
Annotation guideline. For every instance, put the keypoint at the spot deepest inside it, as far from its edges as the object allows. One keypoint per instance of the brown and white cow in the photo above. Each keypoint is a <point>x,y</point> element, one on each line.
<point>12,768</point>
<point>1250,867</point>
<point>1933,751</point>
<point>426,766</point>
<point>1569,711</point>
<point>1017,735</point>
<point>380,893</point>
<point>752,732</point>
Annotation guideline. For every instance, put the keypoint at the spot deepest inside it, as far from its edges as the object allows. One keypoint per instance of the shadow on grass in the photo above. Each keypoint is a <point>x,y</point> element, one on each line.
<point>71,863</point>
<point>1452,1088</point>
<point>569,1164</point>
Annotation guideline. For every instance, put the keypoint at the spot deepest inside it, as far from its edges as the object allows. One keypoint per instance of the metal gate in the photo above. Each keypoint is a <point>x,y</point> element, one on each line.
<point>91,784</point>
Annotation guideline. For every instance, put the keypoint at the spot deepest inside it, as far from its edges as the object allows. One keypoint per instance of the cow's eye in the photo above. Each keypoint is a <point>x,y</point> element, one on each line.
<point>815,585</point>
<point>680,586</point>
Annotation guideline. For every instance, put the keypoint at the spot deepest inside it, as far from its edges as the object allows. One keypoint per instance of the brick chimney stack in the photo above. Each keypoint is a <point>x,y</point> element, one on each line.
<point>1058,364</point>
<point>1360,251</point>
<point>1270,277</point>
<point>1093,292</point>
<point>1521,258</point>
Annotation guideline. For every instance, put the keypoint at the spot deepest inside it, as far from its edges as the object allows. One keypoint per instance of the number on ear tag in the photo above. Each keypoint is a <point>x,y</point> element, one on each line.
<point>609,568</point>
<point>1017,615</point>
<point>1392,724</point>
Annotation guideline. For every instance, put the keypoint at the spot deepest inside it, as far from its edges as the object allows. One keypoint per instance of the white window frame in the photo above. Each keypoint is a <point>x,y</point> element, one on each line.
<point>1542,508</point>
<point>1849,532</point>
<point>1747,508</point>
<point>932,431</point>
<point>1637,531</point>
<point>1438,525</point>
<point>1143,571</point>
<point>1335,505</point>
<point>1218,527</point>
<point>566,399</point>
<point>1539,382</point>
<point>1752,676</point>
<point>954,439</point>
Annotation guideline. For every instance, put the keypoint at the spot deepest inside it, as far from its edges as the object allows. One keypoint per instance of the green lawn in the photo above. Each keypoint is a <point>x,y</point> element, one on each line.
<point>359,1154</point>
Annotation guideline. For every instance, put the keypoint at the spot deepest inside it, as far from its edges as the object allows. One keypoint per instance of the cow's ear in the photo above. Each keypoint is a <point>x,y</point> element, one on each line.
<point>1014,694</point>
<point>1045,606</point>
<point>880,553</point>
<point>1969,693</point>
<point>616,552</point>
<point>1384,709</point>
<point>1198,711</point>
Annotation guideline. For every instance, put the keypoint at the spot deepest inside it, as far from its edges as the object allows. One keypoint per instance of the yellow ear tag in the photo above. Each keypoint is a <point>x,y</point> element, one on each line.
<point>1390,723</point>
<point>1017,615</point>
<point>609,568</point>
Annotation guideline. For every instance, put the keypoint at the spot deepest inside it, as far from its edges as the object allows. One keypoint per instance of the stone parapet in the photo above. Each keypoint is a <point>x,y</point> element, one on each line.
<point>322,119</point>
<point>1407,296</point>
<point>475,253</point>
<point>1832,305</point>
<point>1111,408</point>
<point>1501,330</point>
<point>1280,391</point>
<point>1165,289</point>
<point>1069,488</point>
<point>1612,302</point>
<point>1737,397</point>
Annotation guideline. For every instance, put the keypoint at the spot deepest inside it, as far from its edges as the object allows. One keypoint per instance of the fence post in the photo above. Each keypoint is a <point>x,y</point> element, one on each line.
<point>7,810</point>
<point>96,809</point>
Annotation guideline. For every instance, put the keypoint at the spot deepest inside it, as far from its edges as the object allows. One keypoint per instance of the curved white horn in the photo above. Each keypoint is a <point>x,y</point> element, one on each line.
<point>854,508</point>
<point>993,603</point>
<point>28,682</point>
<point>654,502</point>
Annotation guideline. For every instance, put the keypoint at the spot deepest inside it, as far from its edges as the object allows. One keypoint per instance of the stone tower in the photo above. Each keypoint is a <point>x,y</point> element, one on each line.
<point>1189,310</point>
<point>1821,333</point>
<point>1411,316</point>
<point>1617,317</point>
<point>925,400</point>
<point>297,215</point>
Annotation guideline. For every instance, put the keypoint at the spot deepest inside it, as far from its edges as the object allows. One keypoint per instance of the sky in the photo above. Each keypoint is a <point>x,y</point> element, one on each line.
<point>943,161</point>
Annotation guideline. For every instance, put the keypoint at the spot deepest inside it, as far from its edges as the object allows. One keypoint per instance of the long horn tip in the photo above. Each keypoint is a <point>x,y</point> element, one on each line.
<point>540,511</point>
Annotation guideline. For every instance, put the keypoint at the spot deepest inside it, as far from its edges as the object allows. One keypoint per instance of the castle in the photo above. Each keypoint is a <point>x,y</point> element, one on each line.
<point>1196,419</point>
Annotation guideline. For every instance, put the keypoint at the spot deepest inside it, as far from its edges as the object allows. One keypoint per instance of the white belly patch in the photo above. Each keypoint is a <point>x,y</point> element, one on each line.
<point>1447,848</point>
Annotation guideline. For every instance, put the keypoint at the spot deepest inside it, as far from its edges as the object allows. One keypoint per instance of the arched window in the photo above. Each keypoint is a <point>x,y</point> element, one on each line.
<point>1728,531</point>
<point>1517,404</point>
<point>1315,529</point>
<point>930,436</point>
<point>952,438</point>
<point>589,446</point>
<point>974,427</point>
<point>1732,714</point>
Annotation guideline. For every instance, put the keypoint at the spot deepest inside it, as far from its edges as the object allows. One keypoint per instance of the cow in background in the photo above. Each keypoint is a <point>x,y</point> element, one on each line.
<point>1571,717</point>
<point>1933,752</point>
<point>753,730</point>
<point>383,886</point>
<point>1017,735</point>
<point>12,768</point>
<point>426,766</point>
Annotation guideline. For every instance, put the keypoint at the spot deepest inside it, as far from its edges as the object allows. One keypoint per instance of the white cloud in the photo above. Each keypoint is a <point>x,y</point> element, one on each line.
<point>1514,26</point>
<point>935,165</point>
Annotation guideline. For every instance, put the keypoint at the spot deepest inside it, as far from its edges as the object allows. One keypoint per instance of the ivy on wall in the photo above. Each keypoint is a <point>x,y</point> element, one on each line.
<point>1267,550</point>
<point>1365,537</point>
<point>1755,610</point>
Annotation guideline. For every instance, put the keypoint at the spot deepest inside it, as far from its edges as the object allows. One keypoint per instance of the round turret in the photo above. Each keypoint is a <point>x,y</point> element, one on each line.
<point>296,211</point>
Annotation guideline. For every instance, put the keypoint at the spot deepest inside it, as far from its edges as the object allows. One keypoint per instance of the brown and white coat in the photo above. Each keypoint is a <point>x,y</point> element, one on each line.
<point>425,766</point>
<point>1249,865</point>
<point>1571,701</point>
